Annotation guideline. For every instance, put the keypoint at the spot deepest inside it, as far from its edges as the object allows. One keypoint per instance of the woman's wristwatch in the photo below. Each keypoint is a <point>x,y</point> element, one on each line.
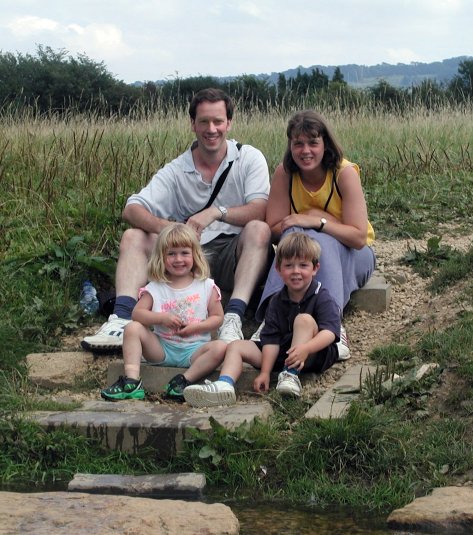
<point>323,221</point>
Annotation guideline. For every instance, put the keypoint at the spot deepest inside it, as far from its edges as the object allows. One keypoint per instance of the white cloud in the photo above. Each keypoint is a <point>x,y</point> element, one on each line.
<point>97,40</point>
<point>401,55</point>
<point>25,26</point>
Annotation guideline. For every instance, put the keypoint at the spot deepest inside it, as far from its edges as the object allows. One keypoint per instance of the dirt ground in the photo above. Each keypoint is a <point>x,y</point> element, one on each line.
<point>413,310</point>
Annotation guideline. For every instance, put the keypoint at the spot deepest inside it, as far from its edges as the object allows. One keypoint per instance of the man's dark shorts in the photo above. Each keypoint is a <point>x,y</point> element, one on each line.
<point>221,254</point>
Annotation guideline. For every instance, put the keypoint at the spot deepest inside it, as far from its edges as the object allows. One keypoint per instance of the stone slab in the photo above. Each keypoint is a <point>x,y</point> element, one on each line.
<point>132,426</point>
<point>74,513</point>
<point>374,297</point>
<point>155,378</point>
<point>336,401</point>
<point>164,486</point>
<point>446,510</point>
<point>57,370</point>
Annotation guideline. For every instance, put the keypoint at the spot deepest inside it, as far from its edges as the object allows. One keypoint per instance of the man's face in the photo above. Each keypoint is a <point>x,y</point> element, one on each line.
<point>211,126</point>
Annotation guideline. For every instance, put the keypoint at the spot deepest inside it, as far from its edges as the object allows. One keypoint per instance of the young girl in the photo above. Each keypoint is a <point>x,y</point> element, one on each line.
<point>183,306</point>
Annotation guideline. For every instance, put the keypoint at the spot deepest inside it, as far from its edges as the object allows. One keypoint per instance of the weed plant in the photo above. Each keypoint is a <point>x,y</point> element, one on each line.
<point>63,185</point>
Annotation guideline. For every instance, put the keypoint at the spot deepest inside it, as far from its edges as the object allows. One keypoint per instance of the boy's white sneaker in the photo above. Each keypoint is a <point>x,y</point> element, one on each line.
<point>211,394</point>
<point>289,384</point>
<point>231,328</point>
<point>109,336</point>
<point>343,349</point>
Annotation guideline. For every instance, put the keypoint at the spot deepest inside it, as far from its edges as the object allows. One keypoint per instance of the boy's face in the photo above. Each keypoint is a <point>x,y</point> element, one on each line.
<point>297,273</point>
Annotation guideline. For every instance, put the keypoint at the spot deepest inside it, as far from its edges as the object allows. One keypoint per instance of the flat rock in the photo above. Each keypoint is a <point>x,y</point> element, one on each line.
<point>446,510</point>
<point>57,370</point>
<point>72,513</point>
<point>170,486</point>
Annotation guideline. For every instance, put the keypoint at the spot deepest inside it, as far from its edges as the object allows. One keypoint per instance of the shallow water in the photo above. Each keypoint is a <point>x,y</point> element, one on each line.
<point>277,519</point>
<point>274,518</point>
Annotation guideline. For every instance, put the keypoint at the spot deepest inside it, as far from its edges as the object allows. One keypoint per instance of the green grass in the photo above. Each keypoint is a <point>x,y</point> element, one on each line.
<point>63,185</point>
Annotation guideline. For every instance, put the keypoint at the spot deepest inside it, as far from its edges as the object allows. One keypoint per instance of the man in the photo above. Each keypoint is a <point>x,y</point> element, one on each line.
<point>232,229</point>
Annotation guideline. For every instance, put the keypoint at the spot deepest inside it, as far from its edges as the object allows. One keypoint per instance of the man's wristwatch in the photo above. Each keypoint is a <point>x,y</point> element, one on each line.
<point>322,224</point>
<point>223,212</point>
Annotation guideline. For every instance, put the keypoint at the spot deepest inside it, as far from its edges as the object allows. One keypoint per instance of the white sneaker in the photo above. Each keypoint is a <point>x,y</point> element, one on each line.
<point>109,336</point>
<point>343,349</point>
<point>256,336</point>
<point>231,328</point>
<point>210,394</point>
<point>289,384</point>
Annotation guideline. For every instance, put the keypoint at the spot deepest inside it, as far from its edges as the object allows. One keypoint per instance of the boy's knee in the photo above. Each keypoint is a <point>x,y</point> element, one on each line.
<point>305,320</point>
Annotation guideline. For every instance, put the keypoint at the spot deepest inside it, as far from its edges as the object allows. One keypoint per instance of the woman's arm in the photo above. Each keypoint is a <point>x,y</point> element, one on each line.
<point>353,228</point>
<point>278,202</point>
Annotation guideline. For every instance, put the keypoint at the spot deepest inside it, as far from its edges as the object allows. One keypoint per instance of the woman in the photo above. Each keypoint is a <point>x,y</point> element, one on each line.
<point>319,192</point>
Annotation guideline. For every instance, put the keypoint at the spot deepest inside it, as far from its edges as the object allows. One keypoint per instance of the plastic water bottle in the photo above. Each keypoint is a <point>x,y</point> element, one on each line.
<point>88,298</point>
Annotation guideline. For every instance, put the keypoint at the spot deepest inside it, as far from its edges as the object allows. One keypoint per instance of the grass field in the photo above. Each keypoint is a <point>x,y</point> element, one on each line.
<point>63,184</point>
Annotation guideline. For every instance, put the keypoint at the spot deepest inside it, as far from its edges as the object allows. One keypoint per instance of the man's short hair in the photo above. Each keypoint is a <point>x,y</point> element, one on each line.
<point>298,245</point>
<point>211,94</point>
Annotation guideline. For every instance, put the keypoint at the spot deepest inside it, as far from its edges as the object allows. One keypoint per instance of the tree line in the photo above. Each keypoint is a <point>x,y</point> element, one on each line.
<point>55,82</point>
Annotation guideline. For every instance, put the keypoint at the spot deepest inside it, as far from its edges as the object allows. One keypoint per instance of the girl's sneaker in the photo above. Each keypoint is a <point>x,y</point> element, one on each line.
<point>124,388</point>
<point>210,394</point>
<point>175,388</point>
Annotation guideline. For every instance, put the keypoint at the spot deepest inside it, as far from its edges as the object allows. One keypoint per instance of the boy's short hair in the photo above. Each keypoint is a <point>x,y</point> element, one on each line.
<point>299,245</point>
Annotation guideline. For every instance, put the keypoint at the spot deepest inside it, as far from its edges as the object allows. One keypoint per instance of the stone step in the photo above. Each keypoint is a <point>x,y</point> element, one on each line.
<point>132,426</point>
<point>374,297</point>
<point>155,378</point>
<point>336,401</point>
<point>183,486</point>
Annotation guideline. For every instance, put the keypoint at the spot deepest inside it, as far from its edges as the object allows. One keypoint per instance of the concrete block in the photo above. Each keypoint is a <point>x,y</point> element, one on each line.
<point>336,401</point>
<point>164,486</point>
<point>132,426</point>
<point>155,378</point>
<point>374,297</point>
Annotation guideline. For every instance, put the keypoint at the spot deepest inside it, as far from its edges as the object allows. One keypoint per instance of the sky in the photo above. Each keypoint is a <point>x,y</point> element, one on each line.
<point>143,40</point>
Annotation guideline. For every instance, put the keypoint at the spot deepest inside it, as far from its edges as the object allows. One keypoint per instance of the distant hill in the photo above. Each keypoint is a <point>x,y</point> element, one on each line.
<point>399,75</point>
<point>360,76</point>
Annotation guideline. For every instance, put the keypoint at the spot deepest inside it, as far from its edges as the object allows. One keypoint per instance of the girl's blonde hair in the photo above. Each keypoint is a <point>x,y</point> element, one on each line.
<point>176,235</point>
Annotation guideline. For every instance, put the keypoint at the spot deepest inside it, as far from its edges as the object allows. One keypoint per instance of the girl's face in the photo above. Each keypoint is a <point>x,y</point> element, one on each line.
<point>179,261</point>
<point>307,151</point>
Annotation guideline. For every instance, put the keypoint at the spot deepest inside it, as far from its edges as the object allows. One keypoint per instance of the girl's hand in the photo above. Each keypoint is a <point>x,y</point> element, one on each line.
<point>261,383</point>
<point>296,357</point>
<point>171,321</point>
<point>186,330</point>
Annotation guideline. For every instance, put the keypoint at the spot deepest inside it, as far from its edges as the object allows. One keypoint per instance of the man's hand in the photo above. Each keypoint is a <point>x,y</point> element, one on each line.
<point>198,222</point>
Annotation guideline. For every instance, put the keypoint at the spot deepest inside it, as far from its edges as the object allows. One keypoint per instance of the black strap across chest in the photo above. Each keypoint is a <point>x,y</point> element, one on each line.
<point>334,186</point>
<point>219,184</point>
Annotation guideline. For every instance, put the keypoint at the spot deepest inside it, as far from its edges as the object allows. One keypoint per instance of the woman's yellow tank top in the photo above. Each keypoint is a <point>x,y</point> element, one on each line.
<point>305,200</point>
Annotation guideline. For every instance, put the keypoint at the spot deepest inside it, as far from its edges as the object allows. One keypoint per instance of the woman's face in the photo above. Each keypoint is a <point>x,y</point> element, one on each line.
<point>307,152</point>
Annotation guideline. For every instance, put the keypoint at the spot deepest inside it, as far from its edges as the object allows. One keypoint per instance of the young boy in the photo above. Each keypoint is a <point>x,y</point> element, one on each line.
<point>301,329</point>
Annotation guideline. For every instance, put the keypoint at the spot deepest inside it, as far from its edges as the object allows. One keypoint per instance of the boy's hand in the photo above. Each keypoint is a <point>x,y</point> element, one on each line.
<point>261,383</point>
<point>296,357</point>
